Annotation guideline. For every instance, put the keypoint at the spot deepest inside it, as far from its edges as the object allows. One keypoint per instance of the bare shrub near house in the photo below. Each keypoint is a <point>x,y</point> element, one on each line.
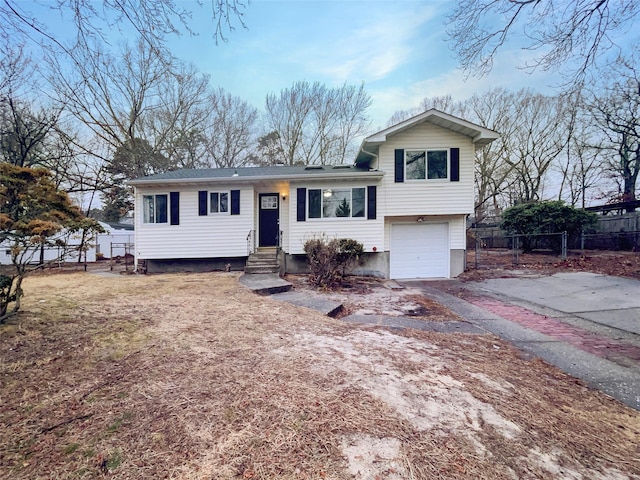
<point>330,260</point>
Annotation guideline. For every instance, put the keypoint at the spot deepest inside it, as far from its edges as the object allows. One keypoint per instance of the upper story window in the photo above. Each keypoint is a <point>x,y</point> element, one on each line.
<point>337,202</point>
<point>154,208</point>
<point>219,202</point>
<point>426,164</point>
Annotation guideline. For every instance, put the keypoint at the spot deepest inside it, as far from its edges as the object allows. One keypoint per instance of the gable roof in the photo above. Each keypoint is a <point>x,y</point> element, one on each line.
<point>479,135</point>
<point>254,174</point>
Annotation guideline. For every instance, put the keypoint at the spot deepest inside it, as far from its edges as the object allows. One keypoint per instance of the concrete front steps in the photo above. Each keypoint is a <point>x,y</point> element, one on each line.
<point>263,260</point>
<point>262,277</point>
<point>261,273</point>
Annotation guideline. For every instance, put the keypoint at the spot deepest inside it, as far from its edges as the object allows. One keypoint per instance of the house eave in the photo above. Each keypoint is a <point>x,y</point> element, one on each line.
<point>479,135</point>
<point>243,180</point>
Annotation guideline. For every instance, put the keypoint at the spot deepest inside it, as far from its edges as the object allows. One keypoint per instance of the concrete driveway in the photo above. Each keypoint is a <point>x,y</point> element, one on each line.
<point>608,301</point>
<point>586,324</point>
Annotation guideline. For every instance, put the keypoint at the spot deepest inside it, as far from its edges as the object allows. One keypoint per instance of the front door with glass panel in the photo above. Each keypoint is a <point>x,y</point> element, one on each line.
<point>268,220</point>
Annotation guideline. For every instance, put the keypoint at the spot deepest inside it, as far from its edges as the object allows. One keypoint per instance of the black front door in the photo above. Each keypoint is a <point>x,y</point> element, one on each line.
<point>268,220</point>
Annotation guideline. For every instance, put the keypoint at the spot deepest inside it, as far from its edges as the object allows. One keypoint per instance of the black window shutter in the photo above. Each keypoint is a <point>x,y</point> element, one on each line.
<point>399,177</point>
<point>174,205</point>
<point>202,202</point>
<point>235,202</point>
<point>455,164</point>
<point>371,202</point>
<point>301,204</point>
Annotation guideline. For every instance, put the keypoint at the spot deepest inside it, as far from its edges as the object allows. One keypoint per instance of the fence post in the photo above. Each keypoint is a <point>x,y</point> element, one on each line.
<point>582,243</point>
<point>477,251</point>
<point>516,253</point>
<point>564,245</point>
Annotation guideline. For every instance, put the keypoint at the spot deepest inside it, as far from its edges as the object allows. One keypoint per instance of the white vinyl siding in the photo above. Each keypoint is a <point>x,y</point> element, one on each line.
<point>367,232</point>
<point>426,197</point>
<point>197,236</point>
<point>285,207</point>
<point>457,228</point>
<point>458,233</point>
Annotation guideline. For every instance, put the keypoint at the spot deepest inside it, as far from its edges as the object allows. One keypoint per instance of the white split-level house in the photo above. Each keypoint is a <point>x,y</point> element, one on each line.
<point>406,198</point>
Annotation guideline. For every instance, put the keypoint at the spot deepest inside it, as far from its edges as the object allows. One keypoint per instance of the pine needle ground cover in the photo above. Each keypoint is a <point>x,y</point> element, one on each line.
<point>193,377</point>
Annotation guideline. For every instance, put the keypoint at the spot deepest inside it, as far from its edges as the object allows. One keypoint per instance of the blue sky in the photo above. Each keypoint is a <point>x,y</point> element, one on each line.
<point>397,48</point>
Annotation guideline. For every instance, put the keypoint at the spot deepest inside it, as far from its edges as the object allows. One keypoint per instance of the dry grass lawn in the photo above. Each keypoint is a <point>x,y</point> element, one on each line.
<point>194,377</point>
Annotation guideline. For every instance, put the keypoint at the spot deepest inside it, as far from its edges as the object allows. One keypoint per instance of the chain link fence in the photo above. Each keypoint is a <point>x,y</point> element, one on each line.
<point>503,250</point>
<point>121,256</point>
<point>517,249</point>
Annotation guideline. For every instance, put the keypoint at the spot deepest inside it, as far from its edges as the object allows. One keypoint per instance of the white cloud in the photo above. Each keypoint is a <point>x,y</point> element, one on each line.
<point>379,44</point>
<point>404,96</point>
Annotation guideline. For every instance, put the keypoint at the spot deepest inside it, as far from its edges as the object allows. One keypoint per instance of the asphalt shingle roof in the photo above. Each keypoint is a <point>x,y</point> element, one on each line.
<point>248,172</point>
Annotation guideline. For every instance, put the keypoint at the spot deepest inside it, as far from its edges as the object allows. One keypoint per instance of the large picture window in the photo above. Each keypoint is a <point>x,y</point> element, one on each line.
<point>219,202</point>
<point>337,202</point>
<point>426,164</point>
<point>154,208</point>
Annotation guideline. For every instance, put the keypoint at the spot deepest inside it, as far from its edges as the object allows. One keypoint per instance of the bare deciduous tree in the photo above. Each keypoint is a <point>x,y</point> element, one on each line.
<point>349,106</point>
<point>174,123</point>
<point>491,109</point>
<point>151,20</point>
<point>580,167</point>
<point>140,112</point>
<point>108,95</point>
<point>230,130</point>
<point>23,133</point>
<point>616,111</point>
<point>564,33</point>
<point>316,124</point>
<point>536,143</point>
<point>444,103</point>
<point>138,104</point>
<point>288,114</point>
<point>25,128</point>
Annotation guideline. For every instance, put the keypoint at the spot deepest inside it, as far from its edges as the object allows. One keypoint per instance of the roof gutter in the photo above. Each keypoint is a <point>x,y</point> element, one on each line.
<point>257,178</point>
<point>366,152</point>
<point>374,155</point>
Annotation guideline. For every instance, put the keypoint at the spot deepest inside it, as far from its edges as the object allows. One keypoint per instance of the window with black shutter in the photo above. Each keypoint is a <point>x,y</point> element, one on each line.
<point>203,196</point>
<point>301,204</point>
<point>174,206</point>
<point>235,202</point>
<point>371,202</point>
<point>454,155</point>
<point>399,166</point>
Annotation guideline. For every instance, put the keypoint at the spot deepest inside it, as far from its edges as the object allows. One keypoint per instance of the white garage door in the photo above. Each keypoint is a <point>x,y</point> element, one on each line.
<point>419,250</point>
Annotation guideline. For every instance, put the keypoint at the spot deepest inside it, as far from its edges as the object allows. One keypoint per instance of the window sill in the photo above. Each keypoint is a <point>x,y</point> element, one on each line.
<point>431,180</point>
<point>335,219</point>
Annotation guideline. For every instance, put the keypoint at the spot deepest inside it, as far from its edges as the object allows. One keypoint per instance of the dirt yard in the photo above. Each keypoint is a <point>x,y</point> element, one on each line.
<point>194,377</point>
<point>499,262</point>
